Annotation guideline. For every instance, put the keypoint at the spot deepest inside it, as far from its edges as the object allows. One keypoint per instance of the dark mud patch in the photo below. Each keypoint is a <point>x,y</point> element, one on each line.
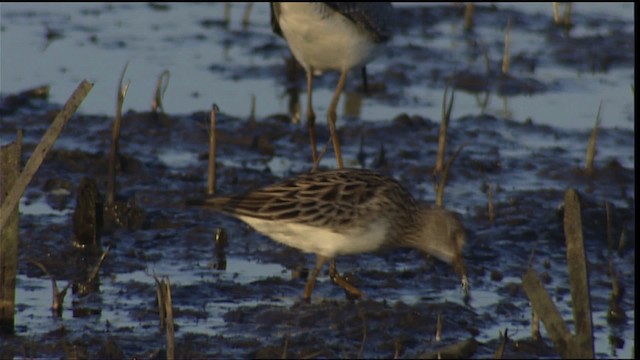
<point>252,309</point>
<point>365,328</point>
<point>251,306</point>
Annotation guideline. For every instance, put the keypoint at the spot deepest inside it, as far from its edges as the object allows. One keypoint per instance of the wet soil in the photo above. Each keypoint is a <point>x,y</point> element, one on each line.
<point>248,303</point>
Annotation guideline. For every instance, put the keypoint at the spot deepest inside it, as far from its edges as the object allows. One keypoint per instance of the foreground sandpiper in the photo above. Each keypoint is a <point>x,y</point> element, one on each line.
<point>332,36</point>
<point>349,211</point>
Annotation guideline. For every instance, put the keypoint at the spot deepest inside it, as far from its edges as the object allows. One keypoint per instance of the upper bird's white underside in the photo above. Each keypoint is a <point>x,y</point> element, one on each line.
<point>330,43</point>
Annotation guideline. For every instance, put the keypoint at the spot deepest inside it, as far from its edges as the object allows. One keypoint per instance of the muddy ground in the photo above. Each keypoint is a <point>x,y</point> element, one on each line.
<point>252,307</point>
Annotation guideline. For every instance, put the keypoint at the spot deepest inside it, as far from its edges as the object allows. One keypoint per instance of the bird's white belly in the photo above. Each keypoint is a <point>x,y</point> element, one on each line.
<point>330,43</point>
<point>320,240</point>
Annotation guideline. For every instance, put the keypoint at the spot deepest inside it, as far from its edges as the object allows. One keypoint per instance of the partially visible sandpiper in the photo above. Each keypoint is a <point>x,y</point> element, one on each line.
<point>349,211</point>
<point>332,36</point>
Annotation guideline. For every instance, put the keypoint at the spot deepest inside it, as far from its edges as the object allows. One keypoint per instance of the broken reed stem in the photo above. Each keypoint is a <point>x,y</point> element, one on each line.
<point>115,136</point>
<point>507,41</point>
<point>162,313</point>
<point>87,222</point>
<point>615,314</point>
<point>444,124</point>
<point>504,338</point>
<point>221,242</point>
<point>57,300</point>
<point>578,275</point>
<point>591,147</point>
<point>211,182</point>
<point>252,115</point>
<point>533,253</point>
<point>623,238</point>
<point>227,13</point>
<point>247,14</point>
<point>161,88</point>
<point>542,304</point>
<point>96,269</point>
<point>364,336</point>
<point>615,285</point>
<point>607,207</point>
<point>171,342</point>
<point>445,174</point>
<point>490,205</point>
<point>439,327</point>
<point>566,20</point>
<point>397,347</point>
<point>165,310</point>
<point>568,345</point>
<point>468,16</point>
<point>58,296</point>
<point>556,11</point>
<point>42,149</point>
<point>535,326</point>
<point>10,160</point>
<point>285,348</point>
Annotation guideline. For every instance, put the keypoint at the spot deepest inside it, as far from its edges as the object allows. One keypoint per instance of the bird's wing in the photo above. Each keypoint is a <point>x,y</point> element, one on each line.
<point>376,17</point>
<point>313,199</point>
<point>274,9</point>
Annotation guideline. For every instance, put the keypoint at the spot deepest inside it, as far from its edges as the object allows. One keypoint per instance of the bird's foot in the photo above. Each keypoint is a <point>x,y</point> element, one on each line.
<point>351,291</point>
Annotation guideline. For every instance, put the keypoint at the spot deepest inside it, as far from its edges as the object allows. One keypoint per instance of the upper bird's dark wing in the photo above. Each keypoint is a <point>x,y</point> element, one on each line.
<point>376,17</point>
<point>274,10</point>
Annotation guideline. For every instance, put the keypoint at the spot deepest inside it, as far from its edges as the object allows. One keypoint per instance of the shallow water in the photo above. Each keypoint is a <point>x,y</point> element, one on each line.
<point>530,146</point>
<point>211,63</point>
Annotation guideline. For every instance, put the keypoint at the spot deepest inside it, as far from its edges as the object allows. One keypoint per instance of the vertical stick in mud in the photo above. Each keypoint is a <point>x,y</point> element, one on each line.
<point>221,243</point>
<point>504,339</point>
<point>591,147</point>
<point>443,178</point>
<point>578,276</point>
<point>171,340</point>
<point>490,207</point>
<point>87,219</point>
<point>581,344</point>
<point>468,16</point>
<point>10,197</point>
<point>211,182</point>
<point>252,114</point>
<point>543,305</point>
<point>444,124</point>
<point>165,309</point>
<point>115,136</point>
<point>46,143</point>
<point>507,44</point>
<point>10,156</point>
<point>246,15</point>
<point>535,326</point>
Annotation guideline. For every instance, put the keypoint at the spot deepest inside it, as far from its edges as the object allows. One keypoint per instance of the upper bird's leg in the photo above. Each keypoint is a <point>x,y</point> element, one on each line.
<point>311,281</point>
<point>333,274</point>
<point>311,116</point>
<point>331,118</point>
<point>365,83</point>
